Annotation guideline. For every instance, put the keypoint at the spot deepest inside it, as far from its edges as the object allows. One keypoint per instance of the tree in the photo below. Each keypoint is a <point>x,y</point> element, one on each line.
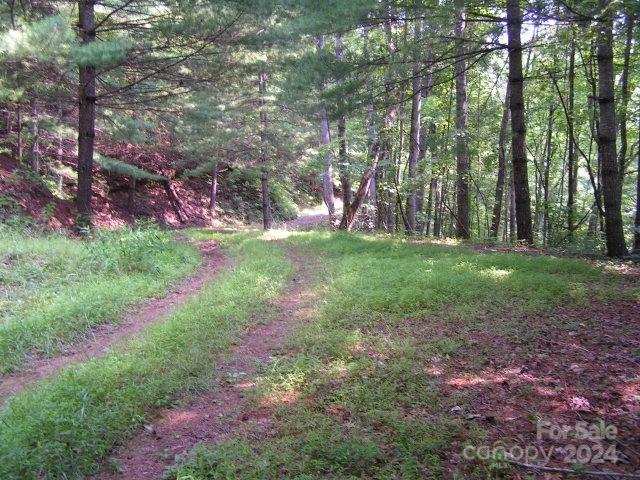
<point>267,216</point>
<point>571,161</point>
<point>502,163</point>
<point>636,223</point>
<point>325,142</point>
<point>611,188</point>
<point>518,126</point>
<point>463,226</point>
<point>414,137</point>
<point>86,116</point>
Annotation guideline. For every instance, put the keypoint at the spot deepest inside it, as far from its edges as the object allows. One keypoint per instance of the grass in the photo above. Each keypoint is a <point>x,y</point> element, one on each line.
<point>353,398</point>
<point>63,427</point>
<point>53,288</point>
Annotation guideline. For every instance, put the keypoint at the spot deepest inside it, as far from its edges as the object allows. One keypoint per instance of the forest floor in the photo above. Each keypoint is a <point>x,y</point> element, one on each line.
<point>224,411</point>
<point>328,355</point>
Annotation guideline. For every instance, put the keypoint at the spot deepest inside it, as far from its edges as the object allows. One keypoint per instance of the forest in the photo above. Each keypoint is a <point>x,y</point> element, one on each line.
<point>336,239</point>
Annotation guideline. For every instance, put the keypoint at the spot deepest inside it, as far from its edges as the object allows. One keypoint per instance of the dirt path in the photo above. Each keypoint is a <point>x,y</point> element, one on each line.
<point>221,413</point>
<point>307,222</point>
<point>100,339</point>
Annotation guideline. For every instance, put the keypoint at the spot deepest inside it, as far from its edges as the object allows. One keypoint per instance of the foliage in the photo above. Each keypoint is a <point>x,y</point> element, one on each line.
<point>351,397</point>
<point>54,289</point>
<point>117,166</point>
<point>78,416</point>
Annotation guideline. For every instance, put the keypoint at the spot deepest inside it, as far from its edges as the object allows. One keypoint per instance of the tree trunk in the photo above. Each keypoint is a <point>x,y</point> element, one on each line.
<point>35,147</point>
<point>414,138</point>
<point>502,161</point>
<point>518,126</point>
<point>213,190</point>
<point>19,144</point>
<point>439,208</point>
<point>611,187</point>
<point>131,200</point>
<point>636,235</point>
<point>175,202</point>
<point>571,162</point>
<point>463,226</point>
<point>267,217</point>
<point>350,210</point>
<point>624,94</point>
<point>325,141</point>
<point>433,188</point>
<point>8,121</point>
<point>86,117</point>
<point>371,129</point>
<point>422,151</point>
<point>60,139</point>
<point>512,210</point>
<point>545,178</point>
<point>343,161</point>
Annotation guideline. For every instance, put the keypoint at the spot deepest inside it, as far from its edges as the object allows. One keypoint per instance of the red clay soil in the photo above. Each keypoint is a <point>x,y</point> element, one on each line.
<point>98,341</point>
<point>581,365</point>
<point>30,198</point>
<point>226,410</point>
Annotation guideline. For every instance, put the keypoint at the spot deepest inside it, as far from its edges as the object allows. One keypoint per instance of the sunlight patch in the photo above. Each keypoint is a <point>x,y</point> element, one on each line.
<point>496,273</point>
<point>274,235</point>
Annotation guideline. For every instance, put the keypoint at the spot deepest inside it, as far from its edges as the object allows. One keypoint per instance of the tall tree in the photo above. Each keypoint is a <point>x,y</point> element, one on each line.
<point>518,126</point>
<point>86,116</point>
<point>343,161</point>
<point>267,216</point>
<point>325,141</point>
<point>611,185</point>
<point>636,223</point>
<point>624,91</point>
<point>502,164</point>
<point>414,136</point>
<point>571,153</point>
<point>463,225</point>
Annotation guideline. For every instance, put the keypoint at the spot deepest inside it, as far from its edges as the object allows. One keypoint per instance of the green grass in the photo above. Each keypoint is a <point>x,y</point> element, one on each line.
<point>360,401</point>
<point>53,288</point>
<point>62,428</point>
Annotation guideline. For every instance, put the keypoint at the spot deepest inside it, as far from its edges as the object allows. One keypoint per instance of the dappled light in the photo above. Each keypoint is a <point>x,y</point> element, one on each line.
<point>319,240</point>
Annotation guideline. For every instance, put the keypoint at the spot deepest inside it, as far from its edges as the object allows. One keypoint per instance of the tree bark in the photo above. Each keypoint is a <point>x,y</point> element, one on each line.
<point>325,141</point>
<point>385,213</point>
<point>422,167</point>
<point>414,138</point>
<point>35,146</point>
<point>611,185</point>
<point>636,235</point>
<point>571,161</point>
<point>463,225</point>
<point>267,216</point>
<point>371,130</point>
<point>545,178</point>
<point>343,161</point>
<point>350,210</point>
<point>624,93</point>
<point>19,144</point>
<point>131,198</point>
<point>518,126</point>
<point>512,209</point>
<point>175,202</point>
<point>502,163</point>
<point>213,190</point>
<point>86,117</point>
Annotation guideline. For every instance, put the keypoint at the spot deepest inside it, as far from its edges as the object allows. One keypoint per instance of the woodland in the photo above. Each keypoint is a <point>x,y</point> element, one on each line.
<point>309,239</point>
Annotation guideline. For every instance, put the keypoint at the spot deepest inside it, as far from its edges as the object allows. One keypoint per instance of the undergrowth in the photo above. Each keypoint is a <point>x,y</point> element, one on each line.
<point>63,427</point>
<point>354,397</point>
<point>54,288</point>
